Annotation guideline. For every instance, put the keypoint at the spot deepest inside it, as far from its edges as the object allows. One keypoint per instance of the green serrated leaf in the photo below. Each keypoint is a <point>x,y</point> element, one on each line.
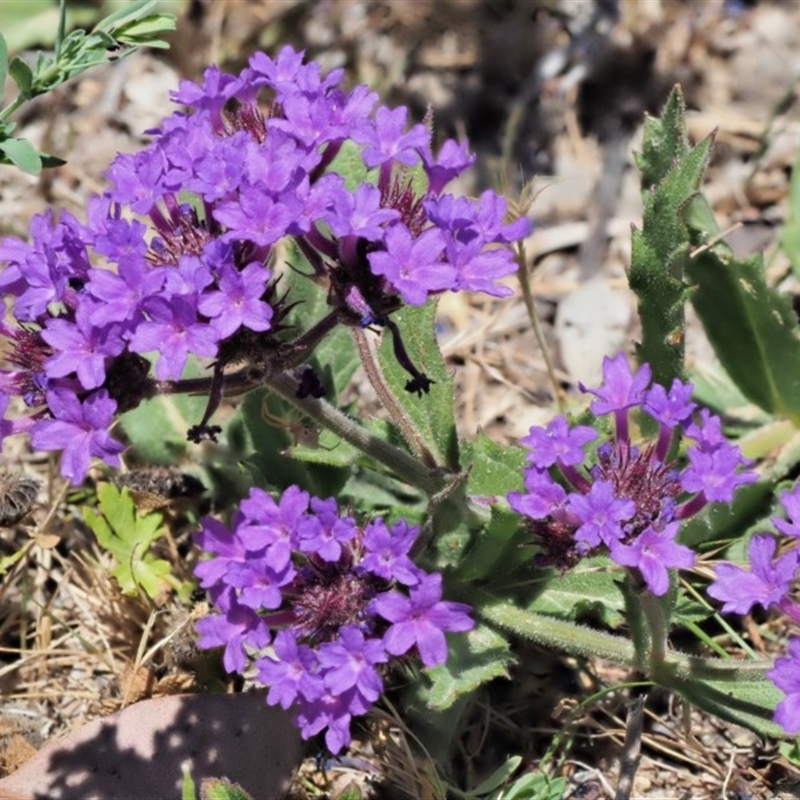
<point>496,550</point>
<point>664,142</point>
<point>21,153</point>
<point>475,658</point>
<point>431,414</point>
<point>592,588</point>
<point>494,469</point>
<point>671,175</point>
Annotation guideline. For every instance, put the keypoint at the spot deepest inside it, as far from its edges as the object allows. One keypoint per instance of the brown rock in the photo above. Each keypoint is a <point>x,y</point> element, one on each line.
<point>138,752</point>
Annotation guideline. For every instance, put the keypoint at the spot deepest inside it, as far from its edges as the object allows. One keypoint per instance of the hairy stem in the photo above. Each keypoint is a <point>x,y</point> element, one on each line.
<point>404,466</point>
<point>398,414</point>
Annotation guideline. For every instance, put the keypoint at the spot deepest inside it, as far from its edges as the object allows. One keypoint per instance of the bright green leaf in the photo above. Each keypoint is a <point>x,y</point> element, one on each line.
<point>128,536</point>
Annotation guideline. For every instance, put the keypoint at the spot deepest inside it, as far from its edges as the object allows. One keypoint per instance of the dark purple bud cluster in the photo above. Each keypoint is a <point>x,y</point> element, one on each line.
<point>628,500</point>
<point>319,603</point>
<point>255,159</point>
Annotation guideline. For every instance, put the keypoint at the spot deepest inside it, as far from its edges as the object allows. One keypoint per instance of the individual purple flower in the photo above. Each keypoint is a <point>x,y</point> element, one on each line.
<point>621,388</point>
<point>451,160</point>
<point>360,214</point>
<point>389,139</point>
<point>258,583</point>
<point>256,215</point>
<point>785,674</point>
<point>715,473</point>
<point>558,442</point>
<point>173,331</point>
<point>413,266</point>
<point>237,302</point>
<point>80,430</point>
<point>349,663</point>
<point>291,673</point>
<point>332,712</point>
<point>323,531</point>
<point>235,629</point>
<point>542,498</point>
<point>599,514</point>
<point>421,620</point>
<point>670,408</point>
<point>271,527</point>
<point>654,553</point>
<point>766,583</point>
<point>225,544</point>
<point>387,551</point>
<point>80,348</point>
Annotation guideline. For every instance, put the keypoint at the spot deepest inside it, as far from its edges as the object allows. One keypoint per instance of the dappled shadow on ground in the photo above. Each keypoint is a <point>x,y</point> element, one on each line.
<point>139,752</point>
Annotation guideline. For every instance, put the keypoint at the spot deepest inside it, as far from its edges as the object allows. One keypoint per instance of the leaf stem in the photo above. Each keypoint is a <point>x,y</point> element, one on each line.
<point>399,416</point>
<point>405,466</point>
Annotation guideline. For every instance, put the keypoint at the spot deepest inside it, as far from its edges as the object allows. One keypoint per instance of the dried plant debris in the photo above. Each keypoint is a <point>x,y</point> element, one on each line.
<point>161,488</point>
<point>17,497</point>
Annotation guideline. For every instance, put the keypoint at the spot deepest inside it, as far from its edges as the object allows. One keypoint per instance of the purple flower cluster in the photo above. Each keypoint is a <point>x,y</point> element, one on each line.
<point>253,161</point>
<point>627,499</point>
<point>319,604</point>
<point>767,583</point>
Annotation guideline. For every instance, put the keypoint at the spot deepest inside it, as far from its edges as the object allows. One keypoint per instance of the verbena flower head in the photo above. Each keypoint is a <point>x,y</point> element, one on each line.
<point>768,582</point>
<point>626,499</point>
<point>319,604</point>
<point>277,152</point>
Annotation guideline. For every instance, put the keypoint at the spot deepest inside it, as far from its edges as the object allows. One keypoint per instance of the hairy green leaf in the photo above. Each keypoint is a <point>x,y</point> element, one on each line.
<point>432,413</point>
<point>671,175</point>
<point>475,658</point>
<point>757,337</point>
